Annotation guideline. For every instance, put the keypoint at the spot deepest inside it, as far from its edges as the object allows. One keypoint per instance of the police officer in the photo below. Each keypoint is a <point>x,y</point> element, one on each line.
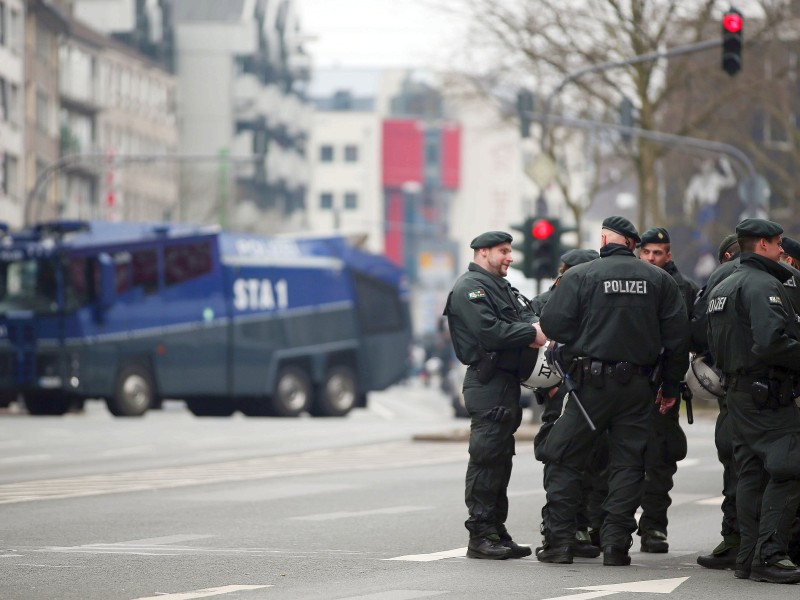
<point>791,252</point>
<point>667,444</point>
<point>590,516</point>
<point>614,315</point>
<point>723,556</point>
<point>754,338</point>
<point>490,325</point>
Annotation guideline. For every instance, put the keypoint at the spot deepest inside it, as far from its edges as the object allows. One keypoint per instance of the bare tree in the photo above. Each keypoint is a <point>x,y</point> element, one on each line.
<point>537,43</point>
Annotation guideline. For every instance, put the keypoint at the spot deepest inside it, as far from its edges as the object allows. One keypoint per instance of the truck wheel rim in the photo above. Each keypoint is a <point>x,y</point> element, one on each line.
<point>136,392</point>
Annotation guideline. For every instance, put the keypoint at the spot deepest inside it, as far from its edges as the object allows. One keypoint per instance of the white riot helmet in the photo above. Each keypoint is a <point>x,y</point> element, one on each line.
<point>543,375</point>
<point>704,380</point>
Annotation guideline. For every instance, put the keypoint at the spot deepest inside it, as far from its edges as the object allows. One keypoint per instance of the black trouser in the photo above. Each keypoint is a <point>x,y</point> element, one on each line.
<point>666,446</point>
<point>723,439</point>
<point>766,448</point>
<point>623,411</point>
<point>491,451</point>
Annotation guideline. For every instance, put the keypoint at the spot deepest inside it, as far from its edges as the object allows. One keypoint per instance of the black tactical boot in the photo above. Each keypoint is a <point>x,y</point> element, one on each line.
<point>779,571</point>
<point>561,555</point>
<point>723,556</point>
<point>615,557</point>
<point>742,571</point>
<point>583,547</point>
<point>517,551</point>
<point>654,541</point>
<point>486,547</point>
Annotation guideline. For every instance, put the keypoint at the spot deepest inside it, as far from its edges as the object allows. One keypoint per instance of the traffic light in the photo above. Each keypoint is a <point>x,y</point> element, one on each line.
<point>524,247</point>
<point>540,247</point>
<point>546,243</point>
<point>525,104</point>
<point>732,31</point>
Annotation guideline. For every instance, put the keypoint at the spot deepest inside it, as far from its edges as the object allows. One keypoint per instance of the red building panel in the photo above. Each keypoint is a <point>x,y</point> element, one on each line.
<point>403,149</point>
<point>451,156</point>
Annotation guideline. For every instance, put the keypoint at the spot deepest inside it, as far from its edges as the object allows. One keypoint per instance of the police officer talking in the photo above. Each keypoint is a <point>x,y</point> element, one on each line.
<point>754,337</point>
<point>614,316</point>
<point>667,442</point>
<point>491,327</point>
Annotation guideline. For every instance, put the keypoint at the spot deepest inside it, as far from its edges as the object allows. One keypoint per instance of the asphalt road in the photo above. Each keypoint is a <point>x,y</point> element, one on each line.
<point>176,507</point>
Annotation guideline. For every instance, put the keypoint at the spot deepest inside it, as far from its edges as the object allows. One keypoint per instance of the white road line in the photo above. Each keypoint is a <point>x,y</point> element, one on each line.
<point>217,591</point>
<point>457,553</point>
<point>715,501</point>
<point>131,451</point>
<point>165,539</point>
<point>688,462</point>
<point>389,455</point>
<point>383,412</point>
<point>392,510</point>
<point>397,595</point>
<point>29,458</point>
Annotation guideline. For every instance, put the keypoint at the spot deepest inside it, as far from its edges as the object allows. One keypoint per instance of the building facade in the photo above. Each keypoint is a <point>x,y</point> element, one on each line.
<point>12,89</point>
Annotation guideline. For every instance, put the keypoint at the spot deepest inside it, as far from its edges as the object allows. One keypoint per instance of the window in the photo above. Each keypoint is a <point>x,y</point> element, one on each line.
<point>350,200</point>
<point>42,111</point>
<point>351,153</point>
<point>3,33</point>
<point>379,306</point>
<point>326,153</point>
<point>44,41</point>
<point>326,201</point>
<point>144,270</point>
<point>186,261</point>
<point>9,174</point>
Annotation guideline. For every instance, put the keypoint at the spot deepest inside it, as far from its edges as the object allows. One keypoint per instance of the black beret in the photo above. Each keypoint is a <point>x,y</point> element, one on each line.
<point>656,235</point>
<point>578,256</point>
<point>728,241</point>
<point>759,228</point>
<point>791,247</point>
<point>490,239</point>
<point>622,226</point>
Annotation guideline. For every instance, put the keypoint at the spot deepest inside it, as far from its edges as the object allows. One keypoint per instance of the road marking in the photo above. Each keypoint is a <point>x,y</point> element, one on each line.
<point>715,501</point>
<point>389,455</point>
<point>131,451</point>
<point>688,462</point>
<point>392,510</point>
<point>396,595</point>
<point>164,539</point>
<point>217,591</point>
<point>28,458</point>
<point>380,410</point>
<point>456,553</point>
<point>651,586</point>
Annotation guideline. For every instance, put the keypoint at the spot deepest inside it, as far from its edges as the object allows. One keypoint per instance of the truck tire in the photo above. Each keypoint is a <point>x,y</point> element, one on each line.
<point>338,395</point>
<point>211,407</point>
<point>292,392</point>
<point>134,392</point>
<point>46,403</point>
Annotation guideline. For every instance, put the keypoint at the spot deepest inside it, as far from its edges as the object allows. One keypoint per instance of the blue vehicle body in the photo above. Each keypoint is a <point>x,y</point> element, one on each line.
<point>133,313</point>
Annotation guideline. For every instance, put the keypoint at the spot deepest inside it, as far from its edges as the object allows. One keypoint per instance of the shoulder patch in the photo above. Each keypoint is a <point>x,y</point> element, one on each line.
<point>775,300</point>
<point>717,304</point>
<point>476,294</point>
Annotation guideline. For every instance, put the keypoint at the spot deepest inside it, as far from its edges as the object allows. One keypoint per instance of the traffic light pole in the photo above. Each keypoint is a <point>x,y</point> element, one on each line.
<point>570,77</point>
<point>545,117</point>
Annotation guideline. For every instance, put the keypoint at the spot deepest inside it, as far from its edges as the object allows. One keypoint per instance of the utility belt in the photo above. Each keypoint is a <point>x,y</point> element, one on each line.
<point>487,367</point>
<point>587,369</point>
<point>772,390</point>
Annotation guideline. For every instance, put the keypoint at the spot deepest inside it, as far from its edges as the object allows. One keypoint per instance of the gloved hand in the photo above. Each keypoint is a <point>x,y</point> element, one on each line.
<point>498,414</point>
<point>664,404</point>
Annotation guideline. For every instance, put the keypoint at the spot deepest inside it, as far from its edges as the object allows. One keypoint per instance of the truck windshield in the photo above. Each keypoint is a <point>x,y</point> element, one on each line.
<point>28,285</point>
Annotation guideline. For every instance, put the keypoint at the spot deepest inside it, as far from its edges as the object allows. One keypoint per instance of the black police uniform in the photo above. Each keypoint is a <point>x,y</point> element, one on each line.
<point>614,316</point>
<point>667,444</point>
<point>485,315</point>
<point>724,555</point>
<point>595,480</point>
<point>753,335</point>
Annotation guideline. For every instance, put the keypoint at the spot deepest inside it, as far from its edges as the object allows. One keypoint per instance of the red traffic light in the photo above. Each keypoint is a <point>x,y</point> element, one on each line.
<point>732,22</point>
<point>542,229</point>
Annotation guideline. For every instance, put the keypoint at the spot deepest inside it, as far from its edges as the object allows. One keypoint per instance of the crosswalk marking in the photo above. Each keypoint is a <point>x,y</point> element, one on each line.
<point>217,591</point>
<point>389,510</point>
<point>389,455</point>
<point>456,553</point>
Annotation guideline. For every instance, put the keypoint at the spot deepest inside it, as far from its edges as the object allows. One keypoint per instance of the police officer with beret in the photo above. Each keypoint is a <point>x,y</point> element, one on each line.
<point>492,327</point>
<point>723,556</point>
<point>667,444</point>
<point>613,315</point>
<point>755,340</point>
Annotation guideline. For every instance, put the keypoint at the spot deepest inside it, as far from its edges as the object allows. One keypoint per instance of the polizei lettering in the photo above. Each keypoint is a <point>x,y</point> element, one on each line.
<point>716,305</point>
<point>625,286</point>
